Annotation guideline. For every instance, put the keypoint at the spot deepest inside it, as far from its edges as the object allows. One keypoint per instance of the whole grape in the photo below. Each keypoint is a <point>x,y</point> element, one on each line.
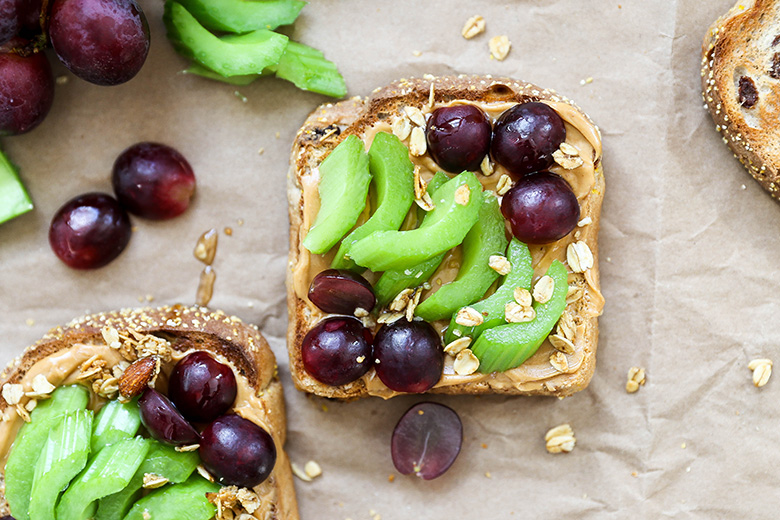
<point>26,92</point>
<point>101,41</point>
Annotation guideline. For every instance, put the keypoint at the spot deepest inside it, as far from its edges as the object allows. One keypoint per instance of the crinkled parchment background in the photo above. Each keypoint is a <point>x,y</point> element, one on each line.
<point>689,260</point>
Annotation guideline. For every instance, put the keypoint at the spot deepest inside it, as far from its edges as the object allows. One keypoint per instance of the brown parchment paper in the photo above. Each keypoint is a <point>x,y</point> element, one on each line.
<point>689,258</point>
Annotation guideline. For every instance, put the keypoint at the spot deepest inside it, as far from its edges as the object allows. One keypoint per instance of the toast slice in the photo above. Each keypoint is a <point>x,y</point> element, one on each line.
<point>740,74</point>
<point>327,126</point>
<point>61,355</point>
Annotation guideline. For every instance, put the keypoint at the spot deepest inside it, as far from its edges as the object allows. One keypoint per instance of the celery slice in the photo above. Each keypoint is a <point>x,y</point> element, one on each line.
<point>227,57</point>
<point>115,422</point>
<point>63,456</point>
<point>20,468</point>
<point>14,199</point>
<point>186,501</point>
<point>240,16</point>
<point>307,69</point>
<point>108,472</point>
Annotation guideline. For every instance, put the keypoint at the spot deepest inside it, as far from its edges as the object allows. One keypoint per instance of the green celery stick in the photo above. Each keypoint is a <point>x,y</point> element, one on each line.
<point>308,70</point>
<point>20,468</point>
<point>240,16</point>
<point>115,422</point>
<point>161,460</point>
<point>241,81</point>
<point>108,472</point>
<point>226,56</point>
<point>14,199</point>
<point>63,456</point>
<point>186,501</point>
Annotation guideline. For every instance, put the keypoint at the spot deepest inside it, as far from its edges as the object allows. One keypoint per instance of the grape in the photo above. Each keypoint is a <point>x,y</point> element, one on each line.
<point>101,41</point>
<point>409,356</point>
<point>89,231</point>
<point>541,208</point>
<point>26,92</point>
<point>458,137</point>
<point>426,440</point>
<point>337,351</point>
<point>237,451</point>
<point>341,292</point>
<point>9,19</point>
<point>526,136</point>
<point>163,420</point>
<point>153,181</point>
<point>201,387</point>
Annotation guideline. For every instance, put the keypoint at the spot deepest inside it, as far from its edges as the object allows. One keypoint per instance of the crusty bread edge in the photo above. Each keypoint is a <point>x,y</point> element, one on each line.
<point>354,116</point>
<point>718,42</point>
<point>196,327</point>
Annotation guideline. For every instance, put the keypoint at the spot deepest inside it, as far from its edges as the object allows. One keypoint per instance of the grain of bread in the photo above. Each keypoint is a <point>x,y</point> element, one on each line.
<point>331,123</point>
<point>188,328</point>
<point>740,74</point>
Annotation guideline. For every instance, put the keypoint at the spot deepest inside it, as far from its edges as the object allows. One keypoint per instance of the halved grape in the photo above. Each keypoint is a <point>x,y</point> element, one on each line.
<point>164,422</point>
<point>426,440</point>
<point>339,291</point>
<point>409,356</point>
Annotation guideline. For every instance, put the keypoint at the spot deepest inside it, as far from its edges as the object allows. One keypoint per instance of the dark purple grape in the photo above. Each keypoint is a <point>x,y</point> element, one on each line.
<point>153,181</point>
<point>525,137</point>
<point>26,92</point>
<point>541,208</point>
<point>337,351</point>
<point>201,387</point>
<point>237,451</point>
<point>9,19</point>
<point>163,421</point>
<point>89,231</point>
<point>426,440</point>
<point>101,41</point>
<point>409,356</point>
<point>458,137</point>
<point>338,291</point>
<point>30,16</point>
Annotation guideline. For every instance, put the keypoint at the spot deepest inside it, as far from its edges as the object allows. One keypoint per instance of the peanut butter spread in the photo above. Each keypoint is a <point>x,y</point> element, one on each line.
<point>537,370</point>
<point>63,367</point>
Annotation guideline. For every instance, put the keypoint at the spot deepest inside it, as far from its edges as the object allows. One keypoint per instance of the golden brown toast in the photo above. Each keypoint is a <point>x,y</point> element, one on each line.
<point>61,353</point>
<point>331,123</point>
<point>740,74</point>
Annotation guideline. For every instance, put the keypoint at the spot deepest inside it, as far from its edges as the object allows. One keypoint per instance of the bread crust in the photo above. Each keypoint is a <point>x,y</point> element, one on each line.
<point>734,47</point>
<point>356,115</point>
<point>188,328</point>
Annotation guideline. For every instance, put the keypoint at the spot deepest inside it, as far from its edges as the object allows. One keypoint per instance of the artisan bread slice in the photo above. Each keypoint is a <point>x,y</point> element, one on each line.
<point>740,73</point>
<point>327,126</point>
<point>61,355</point>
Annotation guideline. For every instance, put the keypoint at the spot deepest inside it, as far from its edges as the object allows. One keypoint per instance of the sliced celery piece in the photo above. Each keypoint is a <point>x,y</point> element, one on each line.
<point>14,199</point>
<point>240,16</point>
<point>115,422</point>
<point>63,456</point>
<point>186,501</point>
<point>108,472</point>
<point>307,69</point>
<point>20,468</point>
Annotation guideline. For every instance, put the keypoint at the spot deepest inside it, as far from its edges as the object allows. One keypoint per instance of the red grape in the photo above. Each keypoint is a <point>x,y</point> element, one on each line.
<point>458,137</point>
<point>426,440</point>
<point>9,19</point>
<point>409,356</point>
<point>163,420</point>
<point>337,351</point>
<point>101,41</point>
<point>26,92</point>
<point>237,451</point>
<point>30,16</point>
<point>201,387</point>
<point>153,181</point>
<point>526,136</point>
<point>541,208</point>
<point>339,291</point>
<point>89,231</point>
